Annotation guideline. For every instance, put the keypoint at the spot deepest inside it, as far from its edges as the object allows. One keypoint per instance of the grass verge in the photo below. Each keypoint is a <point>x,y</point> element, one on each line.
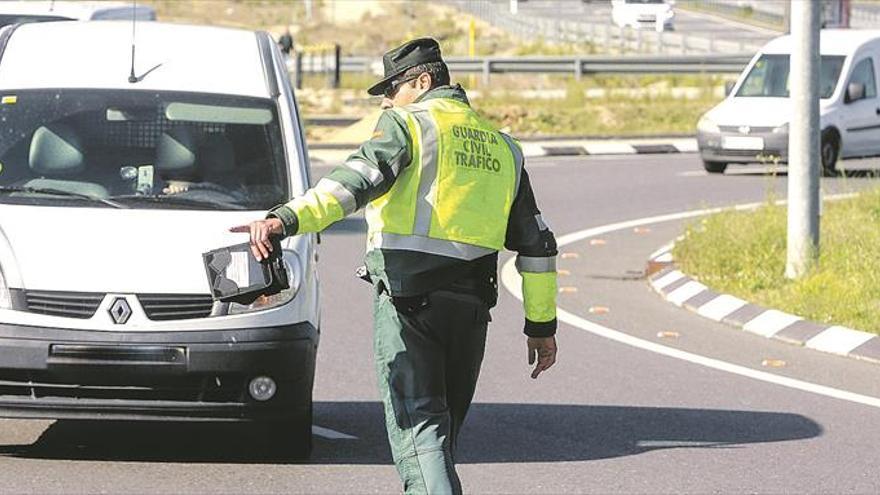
<point>743,253</point>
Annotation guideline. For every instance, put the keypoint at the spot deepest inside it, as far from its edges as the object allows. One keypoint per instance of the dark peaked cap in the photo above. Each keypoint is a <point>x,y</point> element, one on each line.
<point>406,56</point>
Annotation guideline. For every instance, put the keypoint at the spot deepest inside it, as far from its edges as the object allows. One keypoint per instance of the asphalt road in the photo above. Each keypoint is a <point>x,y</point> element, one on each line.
<point>609,418</point>
<point>686,22</point>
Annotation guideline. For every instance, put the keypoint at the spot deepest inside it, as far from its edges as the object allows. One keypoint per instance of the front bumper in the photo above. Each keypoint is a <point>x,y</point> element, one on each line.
<point>183,376</point>
<point>712,149</point>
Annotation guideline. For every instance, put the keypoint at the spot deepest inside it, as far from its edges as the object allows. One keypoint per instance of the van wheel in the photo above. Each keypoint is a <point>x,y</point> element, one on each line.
<point>830,152</point>
<point>714,167</point>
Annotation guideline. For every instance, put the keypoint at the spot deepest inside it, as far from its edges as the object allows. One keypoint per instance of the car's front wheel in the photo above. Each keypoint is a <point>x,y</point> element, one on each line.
<point>714,167</point>
<point>829,151</point>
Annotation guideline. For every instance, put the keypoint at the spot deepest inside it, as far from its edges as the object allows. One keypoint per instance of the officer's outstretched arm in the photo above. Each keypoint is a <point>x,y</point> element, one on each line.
<point>367,174</point>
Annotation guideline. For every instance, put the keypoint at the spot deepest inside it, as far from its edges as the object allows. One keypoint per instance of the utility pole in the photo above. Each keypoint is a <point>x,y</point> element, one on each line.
<point>803,140</point>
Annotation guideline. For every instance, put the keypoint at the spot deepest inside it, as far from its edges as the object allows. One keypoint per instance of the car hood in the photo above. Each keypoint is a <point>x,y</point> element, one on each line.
<point>756,112</point>
<point>112,250</point>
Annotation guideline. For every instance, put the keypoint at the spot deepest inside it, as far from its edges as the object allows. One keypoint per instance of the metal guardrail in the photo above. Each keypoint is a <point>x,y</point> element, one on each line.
<point>609,37</point>
<point>574,65</point>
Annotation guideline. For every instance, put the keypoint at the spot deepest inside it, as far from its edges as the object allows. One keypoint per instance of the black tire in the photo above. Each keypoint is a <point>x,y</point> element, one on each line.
<point>829,151</point>
<point>714,167</point>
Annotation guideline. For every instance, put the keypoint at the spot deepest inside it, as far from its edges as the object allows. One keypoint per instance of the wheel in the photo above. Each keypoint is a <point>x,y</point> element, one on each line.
<point>714,167</point>
<point>829,150</point>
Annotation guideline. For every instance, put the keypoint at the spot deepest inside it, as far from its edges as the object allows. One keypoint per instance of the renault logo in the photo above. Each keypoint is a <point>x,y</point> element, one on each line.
<point>120,311</point>
<point>745,129</point>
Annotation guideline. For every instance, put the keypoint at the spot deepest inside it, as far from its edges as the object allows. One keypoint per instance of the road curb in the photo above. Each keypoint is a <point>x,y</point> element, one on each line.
<point>686,292</point>
<point>575,147</point>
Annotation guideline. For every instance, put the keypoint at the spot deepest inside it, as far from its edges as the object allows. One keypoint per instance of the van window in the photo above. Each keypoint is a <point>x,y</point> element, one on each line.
<point>769,76</point>
<point>864,73</point>
<point>6,19</point>
<point>143,149</point>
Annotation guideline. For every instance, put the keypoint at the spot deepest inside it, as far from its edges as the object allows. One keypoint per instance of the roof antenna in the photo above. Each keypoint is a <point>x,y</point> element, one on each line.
<point>131,77</point>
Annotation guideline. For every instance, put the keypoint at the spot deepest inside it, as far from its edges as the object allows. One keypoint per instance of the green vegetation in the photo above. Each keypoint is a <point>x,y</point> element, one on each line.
<point>743,253</point>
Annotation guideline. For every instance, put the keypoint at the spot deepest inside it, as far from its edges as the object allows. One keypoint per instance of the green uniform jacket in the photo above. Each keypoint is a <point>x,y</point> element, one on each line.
<point>414,273</point>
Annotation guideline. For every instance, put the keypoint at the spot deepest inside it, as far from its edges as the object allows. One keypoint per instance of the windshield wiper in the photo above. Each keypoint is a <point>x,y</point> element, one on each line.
<point>178,200</point>
<point>59,192</point>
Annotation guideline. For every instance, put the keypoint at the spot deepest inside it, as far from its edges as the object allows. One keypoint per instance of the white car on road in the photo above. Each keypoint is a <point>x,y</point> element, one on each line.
<point>638,14</point>
<point>751,124</point>
<point>115,176</point>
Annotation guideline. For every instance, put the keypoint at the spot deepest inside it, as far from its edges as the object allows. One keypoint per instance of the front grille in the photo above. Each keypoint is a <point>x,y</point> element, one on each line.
<point>176,306</point>
<point>67,304</point>
<point>750,153</point>
<point>189,388</point>
<point>752,130</point>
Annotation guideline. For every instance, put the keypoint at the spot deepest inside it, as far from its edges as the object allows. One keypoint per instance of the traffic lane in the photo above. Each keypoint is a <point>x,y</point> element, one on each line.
<point>581,192</point>
<point>685,22</point>
<point>611,275</point>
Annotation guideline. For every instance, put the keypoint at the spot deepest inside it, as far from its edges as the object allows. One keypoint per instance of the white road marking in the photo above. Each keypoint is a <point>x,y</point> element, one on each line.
<point>686,145</point>
<point>667,280</point>
<point>838,340</point>
<point>664,258</point>
<point>659,444</point>
<point>768,323</point>
<point>693,173</point>
<point>719,308</point>
<point>511,281</point>
<point>685,292</point>
<point>609,148</point>
<point>666,248</point>
<point>331,434</point>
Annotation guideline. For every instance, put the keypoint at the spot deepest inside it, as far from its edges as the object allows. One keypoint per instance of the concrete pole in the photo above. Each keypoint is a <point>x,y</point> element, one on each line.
<point>803,140</point>
<point>514,7</point>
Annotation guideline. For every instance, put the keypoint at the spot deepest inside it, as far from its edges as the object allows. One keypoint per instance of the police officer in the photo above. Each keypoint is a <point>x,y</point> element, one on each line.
<point>444,191</point>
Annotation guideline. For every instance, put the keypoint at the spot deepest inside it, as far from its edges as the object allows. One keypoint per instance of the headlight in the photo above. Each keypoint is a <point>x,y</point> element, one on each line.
<point>294,276</point>
<point>707,125</point>
<point>5,296</point>
<point>783,129</point>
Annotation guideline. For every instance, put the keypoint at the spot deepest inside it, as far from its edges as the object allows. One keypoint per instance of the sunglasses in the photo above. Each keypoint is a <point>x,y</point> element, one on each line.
<point>392,88</point>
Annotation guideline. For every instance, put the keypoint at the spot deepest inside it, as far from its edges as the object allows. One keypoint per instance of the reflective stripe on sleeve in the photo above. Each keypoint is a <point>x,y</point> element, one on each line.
<point>322,205</point>
<point>534,264</point>
<point>371,173</point>
<point>539,296</point>
<point>339,192</point>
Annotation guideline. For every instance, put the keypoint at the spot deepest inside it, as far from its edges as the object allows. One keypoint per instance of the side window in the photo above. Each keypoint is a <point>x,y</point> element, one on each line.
<point>864,73</point>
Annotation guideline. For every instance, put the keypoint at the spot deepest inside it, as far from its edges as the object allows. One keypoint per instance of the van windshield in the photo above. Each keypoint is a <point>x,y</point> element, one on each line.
<point>140,149</point>
<point>769,76</point>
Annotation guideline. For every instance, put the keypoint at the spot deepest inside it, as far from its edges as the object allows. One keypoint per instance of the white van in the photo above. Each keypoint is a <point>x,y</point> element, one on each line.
<point>21,11</point>
<point>637,14</point>
<point>105,305</point>
<point>751,124</point>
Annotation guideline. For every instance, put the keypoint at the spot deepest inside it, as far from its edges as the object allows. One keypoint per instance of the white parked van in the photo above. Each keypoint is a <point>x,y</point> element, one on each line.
<point>21,11</point>
<point>637,14</point>
<point>751,124</point>
<point>113,181</point>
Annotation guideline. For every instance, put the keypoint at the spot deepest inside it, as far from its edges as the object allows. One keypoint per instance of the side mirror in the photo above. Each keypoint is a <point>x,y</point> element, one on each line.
<point>728,87</point>
<point>854,92</point>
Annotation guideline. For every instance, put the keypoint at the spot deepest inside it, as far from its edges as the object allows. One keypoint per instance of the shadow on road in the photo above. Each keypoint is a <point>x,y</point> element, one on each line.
<point>494,433</point>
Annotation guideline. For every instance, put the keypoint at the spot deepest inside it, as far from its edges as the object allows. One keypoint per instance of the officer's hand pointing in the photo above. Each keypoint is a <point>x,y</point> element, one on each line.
<point>545,350</point>
<point>260,231</point>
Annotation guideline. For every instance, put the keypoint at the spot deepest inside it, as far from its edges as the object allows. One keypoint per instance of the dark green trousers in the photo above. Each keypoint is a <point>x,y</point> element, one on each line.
<point>428,354</point>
